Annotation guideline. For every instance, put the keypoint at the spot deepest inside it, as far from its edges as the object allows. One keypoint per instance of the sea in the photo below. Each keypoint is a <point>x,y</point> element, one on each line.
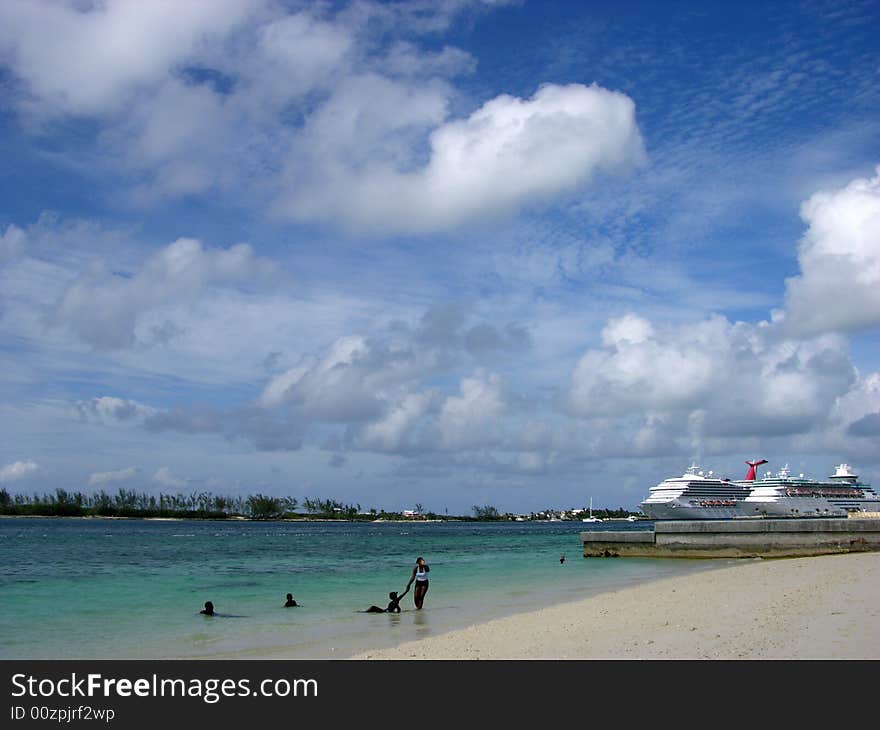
<point>80,588</point>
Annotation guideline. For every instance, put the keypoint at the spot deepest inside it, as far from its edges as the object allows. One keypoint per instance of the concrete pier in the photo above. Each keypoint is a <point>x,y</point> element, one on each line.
<point>739,538</point>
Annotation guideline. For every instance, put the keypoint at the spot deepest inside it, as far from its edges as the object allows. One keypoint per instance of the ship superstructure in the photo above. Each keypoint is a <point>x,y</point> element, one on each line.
<point>785,495</point>
<point>696,495</point>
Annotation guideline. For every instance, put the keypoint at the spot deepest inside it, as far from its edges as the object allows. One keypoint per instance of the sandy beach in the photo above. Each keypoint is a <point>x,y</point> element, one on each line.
<point>825,607</point>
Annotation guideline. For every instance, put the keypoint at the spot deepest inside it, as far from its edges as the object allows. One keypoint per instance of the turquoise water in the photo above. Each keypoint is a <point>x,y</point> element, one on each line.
<point>99,588</point>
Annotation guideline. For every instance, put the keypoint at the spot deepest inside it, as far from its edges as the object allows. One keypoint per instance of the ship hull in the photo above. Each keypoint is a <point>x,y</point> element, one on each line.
<point>809,507</point>
<point>680,511</point>
<point>699,496</point>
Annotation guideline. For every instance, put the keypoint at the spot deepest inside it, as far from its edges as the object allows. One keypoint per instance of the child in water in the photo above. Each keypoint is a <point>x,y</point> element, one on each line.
<point>393,604</point>
<point>290,601</point>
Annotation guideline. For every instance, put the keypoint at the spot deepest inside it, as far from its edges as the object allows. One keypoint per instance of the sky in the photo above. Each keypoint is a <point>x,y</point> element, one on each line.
<point>441,253</point>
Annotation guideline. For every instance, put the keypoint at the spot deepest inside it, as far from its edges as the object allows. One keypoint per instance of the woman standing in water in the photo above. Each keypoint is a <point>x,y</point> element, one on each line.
<point>420,576</point>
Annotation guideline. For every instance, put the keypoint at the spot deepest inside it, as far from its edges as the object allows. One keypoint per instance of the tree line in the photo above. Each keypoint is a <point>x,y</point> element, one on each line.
<point>200,505</point>
<point>205,505</point>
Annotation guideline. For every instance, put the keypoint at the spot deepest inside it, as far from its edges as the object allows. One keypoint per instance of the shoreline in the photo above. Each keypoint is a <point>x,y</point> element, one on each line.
<point>231,518</point>
<point>820,607</point>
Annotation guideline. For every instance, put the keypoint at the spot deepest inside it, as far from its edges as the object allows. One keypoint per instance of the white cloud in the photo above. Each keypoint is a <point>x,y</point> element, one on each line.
<point>861,405</point>
<point>110,477</point>
<point>90,60</point>
<point>627,329</point>
<point>18,470</point>
<point>166,478</point>
<point>739,377</point>
<point>11,243</point>
<point>298,52</point>
<point>111,411</point>
<point>336,387</point>
<point>399,427</point>
<point>509,153</point>
<point>191,97</point>
<point>473,418</point>
<point>103,308</point>
<point>839,285</point>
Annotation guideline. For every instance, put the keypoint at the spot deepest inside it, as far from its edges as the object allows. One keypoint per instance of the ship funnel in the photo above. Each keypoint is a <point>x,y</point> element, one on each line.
<point>753,465</point>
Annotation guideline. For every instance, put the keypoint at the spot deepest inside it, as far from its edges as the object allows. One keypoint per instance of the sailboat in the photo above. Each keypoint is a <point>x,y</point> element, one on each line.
<point>591,518</point>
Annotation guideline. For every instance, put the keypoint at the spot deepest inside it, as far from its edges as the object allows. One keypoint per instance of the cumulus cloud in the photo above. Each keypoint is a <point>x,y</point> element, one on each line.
<point>838,288</point>
<point>110,410</point>
<point>340,386</point>
<point>103,307</point>
<point>399,428</point>
<point>868,426</point>
<point>371,393</point>
<point>205,103</point>
<point>90,59</point>
<point>18,470</point>
<point>112,477</point>
<point>858,412</point>
<point>739,377</point>
<point>189,97</point>
<point>164,477</point>
<point>509,153</point>
<point>473,418</point>
<point>267,431</point>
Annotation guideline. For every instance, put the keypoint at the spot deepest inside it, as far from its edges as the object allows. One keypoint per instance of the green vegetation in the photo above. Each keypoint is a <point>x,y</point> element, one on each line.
<point>204,505</point>
<point>487,512</point>
<point>198,505</point>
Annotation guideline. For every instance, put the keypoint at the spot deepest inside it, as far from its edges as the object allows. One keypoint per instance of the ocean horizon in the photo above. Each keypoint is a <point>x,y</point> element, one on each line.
<point>94,588</point>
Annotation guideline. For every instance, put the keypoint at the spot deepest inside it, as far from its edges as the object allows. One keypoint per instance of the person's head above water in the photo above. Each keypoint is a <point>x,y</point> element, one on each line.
<point>393,595</point>
<point>209,609</point>
<point>290,596</point>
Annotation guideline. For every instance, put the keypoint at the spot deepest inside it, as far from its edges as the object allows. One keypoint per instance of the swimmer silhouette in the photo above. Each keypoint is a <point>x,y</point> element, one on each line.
<point>561,559</point>
<point>393,604</point>
<point>208,610</point>
<point>290,602</point>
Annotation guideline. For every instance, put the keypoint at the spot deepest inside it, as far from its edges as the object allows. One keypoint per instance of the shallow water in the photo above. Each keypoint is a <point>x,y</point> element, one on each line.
<point>97,588</point>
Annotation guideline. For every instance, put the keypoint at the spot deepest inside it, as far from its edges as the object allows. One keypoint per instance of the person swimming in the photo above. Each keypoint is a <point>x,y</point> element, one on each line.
<point>208,610</point>
<point>393,604</point>
<point>290,602</point>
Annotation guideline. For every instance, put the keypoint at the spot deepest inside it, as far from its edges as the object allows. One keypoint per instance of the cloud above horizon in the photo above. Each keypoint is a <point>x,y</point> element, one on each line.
<point>466,246</point>
<point>18,470</point>
<point>509,153</point>
<point>838,288</point>
<point>113,477</point>
<point>104,308</point>
<point>205,105</point>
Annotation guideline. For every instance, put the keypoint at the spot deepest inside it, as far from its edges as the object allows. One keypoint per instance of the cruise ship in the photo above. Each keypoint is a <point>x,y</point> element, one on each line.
<point>697,495</point>
<point>701,496</point>
<point>784,495</point>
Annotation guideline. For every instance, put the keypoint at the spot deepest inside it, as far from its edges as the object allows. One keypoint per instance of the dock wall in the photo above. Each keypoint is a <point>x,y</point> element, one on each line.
<point>739,538</point>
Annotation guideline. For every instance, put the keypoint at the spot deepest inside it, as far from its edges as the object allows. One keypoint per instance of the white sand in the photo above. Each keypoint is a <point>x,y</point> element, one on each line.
<point>825,607</point>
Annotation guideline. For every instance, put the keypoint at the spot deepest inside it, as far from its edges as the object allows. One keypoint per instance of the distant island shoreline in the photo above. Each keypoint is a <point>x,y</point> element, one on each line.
<point>128,504</point>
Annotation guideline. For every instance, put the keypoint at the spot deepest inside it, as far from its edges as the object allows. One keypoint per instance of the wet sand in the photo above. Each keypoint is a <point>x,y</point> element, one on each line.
<point>824,607</point>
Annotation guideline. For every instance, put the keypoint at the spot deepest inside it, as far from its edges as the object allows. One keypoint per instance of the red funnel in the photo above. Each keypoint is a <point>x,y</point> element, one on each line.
<point>752,474</point>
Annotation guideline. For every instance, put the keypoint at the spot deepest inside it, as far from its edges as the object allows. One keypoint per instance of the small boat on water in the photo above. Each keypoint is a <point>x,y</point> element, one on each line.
<point>591,518</point>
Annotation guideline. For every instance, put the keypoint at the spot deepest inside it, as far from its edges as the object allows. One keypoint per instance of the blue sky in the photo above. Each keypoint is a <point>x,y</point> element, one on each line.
<point>446,253</point>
